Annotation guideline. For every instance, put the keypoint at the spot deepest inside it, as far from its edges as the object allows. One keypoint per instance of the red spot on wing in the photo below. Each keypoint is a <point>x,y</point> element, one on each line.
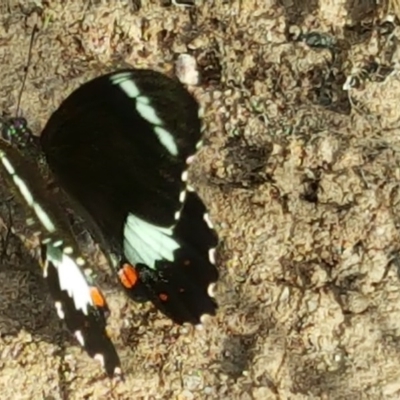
<point>97,297</point>
<point>128,275</point>
<point>163,297</point>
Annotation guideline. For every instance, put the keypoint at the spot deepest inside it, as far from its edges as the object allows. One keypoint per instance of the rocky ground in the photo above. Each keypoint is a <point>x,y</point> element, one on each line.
<point>301,175</point>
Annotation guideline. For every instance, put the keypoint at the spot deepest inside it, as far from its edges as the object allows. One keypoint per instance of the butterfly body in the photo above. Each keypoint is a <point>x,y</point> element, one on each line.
<point>77,299</point>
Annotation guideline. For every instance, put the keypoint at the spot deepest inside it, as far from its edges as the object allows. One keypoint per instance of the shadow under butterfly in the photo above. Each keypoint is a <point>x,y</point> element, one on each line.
<point>120,146</point>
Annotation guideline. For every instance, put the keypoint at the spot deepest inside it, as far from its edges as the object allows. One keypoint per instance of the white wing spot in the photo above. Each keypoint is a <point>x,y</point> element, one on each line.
<point>60,311</point>
<point>211,290</point>
<point>182,196</point>
<point>10,169</point>
<point>71,278</point>
<point>184,176</point>
<point>45,269</point>
<point>44,218</point>
<point>130,88</point>
<point>79,336</point>
<point>146,243</point>
<point>166,139</point>
<point>211,256</point>
<point>119,77</point>
<point>126,83</point>
<point>177,215</point>
<point>27,195</point>
<point>68,250</point>
<point>148,113</point>
<point>199,144</point>
<point>144,100</point>
<point>80,261</point>
<point>208,221</point>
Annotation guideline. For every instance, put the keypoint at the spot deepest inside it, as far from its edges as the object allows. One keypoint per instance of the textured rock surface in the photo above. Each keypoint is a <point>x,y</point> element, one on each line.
<point>302,182</point>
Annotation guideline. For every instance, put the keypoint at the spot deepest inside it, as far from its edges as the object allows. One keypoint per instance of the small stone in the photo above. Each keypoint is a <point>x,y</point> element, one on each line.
<point>193,382</point>
<point>186,69</point>
<point>186,395</point>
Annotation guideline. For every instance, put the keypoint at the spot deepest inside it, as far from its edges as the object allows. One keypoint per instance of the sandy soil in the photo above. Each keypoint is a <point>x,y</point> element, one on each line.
<point>301,178</point>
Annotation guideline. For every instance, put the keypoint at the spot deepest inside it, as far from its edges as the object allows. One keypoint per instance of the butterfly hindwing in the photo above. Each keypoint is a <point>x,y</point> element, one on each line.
<point>120,145</point>
<point>180,288</point>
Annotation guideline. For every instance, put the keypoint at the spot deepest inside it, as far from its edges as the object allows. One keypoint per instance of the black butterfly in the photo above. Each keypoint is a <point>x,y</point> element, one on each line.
<point>120,145</point>
<point>79,302</point>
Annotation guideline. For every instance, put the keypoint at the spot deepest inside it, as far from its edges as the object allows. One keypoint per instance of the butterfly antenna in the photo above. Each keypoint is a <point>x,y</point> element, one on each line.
<point>35,29</point>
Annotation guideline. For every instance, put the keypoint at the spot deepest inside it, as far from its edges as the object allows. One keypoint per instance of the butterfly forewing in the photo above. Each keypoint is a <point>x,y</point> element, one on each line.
<point>120,145</point>
<point>78,301</point>
<point>102,143</point>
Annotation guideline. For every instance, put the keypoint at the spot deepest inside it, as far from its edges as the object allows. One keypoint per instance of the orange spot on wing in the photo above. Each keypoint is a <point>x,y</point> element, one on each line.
<point>97,297</point>
<point>163,297</point>
<point>186,263</point>
<point>128,276</point>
